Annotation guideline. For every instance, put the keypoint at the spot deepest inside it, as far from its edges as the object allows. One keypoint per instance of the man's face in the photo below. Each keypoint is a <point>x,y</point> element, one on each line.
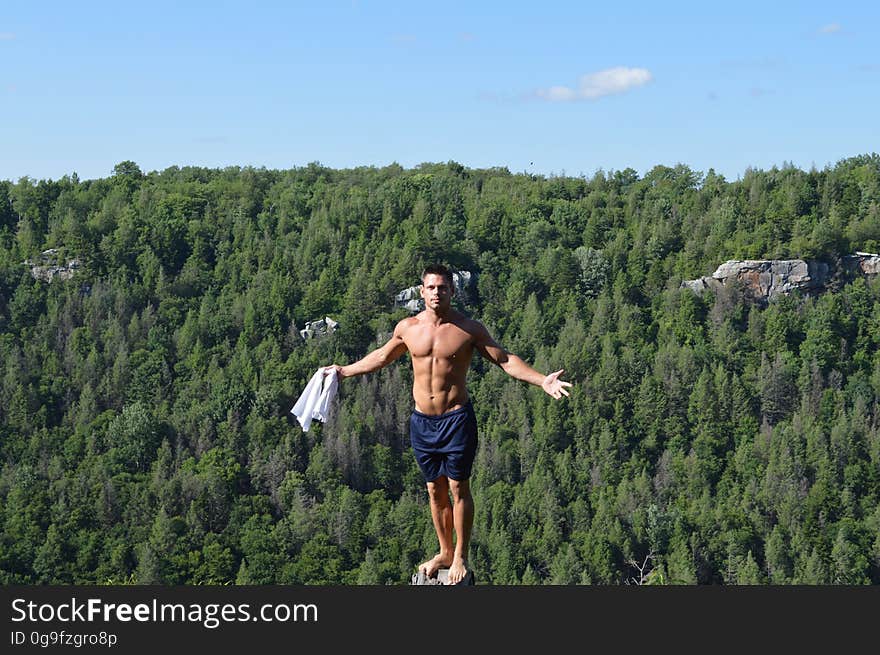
<point>436,291</point>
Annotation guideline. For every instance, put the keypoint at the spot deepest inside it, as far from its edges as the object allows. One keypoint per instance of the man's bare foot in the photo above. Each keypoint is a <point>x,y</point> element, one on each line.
<point>434,564</point>
<point>457,571</point>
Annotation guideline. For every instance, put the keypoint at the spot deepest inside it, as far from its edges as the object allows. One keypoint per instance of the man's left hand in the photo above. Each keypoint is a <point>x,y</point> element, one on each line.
<point>554,386</point>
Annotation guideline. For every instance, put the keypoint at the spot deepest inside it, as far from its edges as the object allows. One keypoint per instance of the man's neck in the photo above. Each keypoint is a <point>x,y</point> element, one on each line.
<point>435,317</point>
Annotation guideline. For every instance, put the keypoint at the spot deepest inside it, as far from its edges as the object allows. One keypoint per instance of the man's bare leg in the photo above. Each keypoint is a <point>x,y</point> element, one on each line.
<point>463,518</point>
<point>442,515</point>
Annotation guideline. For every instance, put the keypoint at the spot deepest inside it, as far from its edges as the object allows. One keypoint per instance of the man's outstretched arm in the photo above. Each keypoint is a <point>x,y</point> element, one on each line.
<point>515,367</point>
<point>375,360</point>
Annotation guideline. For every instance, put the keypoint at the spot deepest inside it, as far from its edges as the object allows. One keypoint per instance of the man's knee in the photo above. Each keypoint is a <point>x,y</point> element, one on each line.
<point>461,489</point>
<point>438,490</point>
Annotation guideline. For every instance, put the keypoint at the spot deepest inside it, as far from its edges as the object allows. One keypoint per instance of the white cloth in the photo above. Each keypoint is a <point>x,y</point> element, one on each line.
<point>314,401</point>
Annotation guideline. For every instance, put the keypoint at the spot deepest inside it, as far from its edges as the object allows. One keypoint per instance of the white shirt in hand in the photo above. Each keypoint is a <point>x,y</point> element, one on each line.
<point>314,402</point>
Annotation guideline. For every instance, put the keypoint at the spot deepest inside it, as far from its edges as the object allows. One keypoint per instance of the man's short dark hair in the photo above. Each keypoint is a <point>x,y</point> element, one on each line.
<point>439,269</point>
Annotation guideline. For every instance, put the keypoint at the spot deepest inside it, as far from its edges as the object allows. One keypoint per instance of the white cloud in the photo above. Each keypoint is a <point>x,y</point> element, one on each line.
<point>6,36</point>
<point>558,94</point>
<point>830,28</point>
<point>596,85</point>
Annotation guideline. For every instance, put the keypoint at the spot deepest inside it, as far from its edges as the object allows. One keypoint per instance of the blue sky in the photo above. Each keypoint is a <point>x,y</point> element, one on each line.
<point>549,87</point>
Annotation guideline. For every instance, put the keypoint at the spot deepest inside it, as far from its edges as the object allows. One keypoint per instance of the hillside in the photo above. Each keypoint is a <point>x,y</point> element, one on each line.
<point>144,427</point>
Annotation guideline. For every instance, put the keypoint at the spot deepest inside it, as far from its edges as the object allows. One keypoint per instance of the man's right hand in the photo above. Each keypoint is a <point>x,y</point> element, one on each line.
<point>334,367</point>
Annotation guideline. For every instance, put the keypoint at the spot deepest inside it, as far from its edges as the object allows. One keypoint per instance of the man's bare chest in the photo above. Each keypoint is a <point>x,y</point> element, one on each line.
<point>442,342</point>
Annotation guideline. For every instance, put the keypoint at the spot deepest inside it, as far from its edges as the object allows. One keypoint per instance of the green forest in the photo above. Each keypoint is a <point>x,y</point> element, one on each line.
<point>145,426</point>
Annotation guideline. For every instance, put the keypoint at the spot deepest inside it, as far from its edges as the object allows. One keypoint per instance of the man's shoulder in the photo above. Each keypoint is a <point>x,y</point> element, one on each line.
<point>405,324</point>
<point>471,325</point>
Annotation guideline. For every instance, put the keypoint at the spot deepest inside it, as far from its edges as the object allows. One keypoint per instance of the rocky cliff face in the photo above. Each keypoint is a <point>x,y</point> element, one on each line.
<point>46,270</point>
<point>763,279</point>
<point>319,328</point>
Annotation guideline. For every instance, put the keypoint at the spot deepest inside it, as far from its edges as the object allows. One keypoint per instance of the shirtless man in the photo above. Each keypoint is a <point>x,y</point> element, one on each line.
<point>443,428</point>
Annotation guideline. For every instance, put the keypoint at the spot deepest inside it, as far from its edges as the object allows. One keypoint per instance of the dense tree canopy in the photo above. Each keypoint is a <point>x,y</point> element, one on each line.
<point>145,433</point>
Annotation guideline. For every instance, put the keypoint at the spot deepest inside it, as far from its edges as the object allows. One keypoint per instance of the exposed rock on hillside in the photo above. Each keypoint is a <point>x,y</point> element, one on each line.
<point>46,270</point>
<point>764,279</point>
<point>319,328</point>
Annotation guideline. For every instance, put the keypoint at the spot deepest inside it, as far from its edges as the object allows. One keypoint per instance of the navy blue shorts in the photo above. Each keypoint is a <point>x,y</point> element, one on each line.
<point>444,444</point>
